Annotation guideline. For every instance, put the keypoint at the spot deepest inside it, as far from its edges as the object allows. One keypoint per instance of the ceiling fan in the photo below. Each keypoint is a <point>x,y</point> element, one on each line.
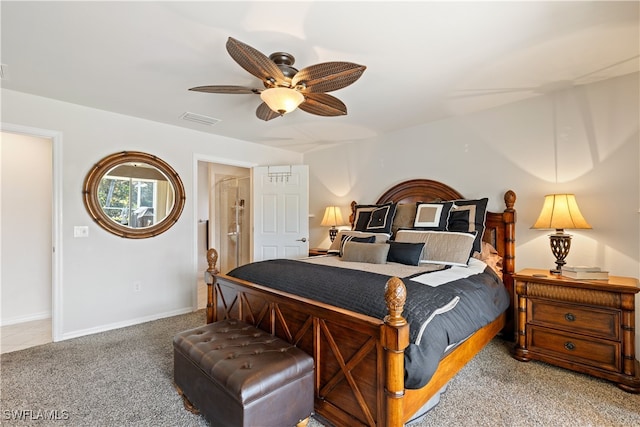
<point>286,88</point>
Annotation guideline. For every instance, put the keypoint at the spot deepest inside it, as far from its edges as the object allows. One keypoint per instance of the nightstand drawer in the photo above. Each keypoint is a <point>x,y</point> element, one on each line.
<point>574,318</point>
<point>594,352</point>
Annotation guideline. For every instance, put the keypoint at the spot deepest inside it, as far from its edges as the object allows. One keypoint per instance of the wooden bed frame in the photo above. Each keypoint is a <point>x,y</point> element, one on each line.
<point>359,360</point>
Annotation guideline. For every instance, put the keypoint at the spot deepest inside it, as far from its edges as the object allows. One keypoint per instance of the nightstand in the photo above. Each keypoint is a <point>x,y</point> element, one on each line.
<point>317,251</point>
<point>583,325</point>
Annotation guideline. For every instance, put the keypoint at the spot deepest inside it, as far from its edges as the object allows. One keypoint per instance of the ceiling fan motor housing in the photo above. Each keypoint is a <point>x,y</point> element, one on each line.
<point>284,61</point>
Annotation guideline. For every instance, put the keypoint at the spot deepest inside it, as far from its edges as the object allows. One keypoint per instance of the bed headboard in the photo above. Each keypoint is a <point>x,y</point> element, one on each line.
<point>500,226</point>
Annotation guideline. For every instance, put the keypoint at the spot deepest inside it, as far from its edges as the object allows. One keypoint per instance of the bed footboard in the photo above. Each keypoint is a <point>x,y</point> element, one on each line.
<point>359,360</point>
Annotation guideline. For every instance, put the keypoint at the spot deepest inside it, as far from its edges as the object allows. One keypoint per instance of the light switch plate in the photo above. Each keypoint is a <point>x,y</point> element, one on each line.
<point>81,231</point>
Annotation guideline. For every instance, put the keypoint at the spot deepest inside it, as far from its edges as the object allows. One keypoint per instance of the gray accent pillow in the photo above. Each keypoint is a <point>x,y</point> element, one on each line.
<point>345,239</point>
<point>441,247</point>
<point>404,218</point>
<point>372,253</point>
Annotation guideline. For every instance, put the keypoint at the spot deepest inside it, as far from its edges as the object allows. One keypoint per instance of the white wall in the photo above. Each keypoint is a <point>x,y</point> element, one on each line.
<point>595,130</point>
<point>98,272</point>
<point>26,170</point>
<point>512,147</point>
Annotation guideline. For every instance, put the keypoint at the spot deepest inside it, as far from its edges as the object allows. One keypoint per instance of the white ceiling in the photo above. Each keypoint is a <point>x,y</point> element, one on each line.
<point>425,60</point>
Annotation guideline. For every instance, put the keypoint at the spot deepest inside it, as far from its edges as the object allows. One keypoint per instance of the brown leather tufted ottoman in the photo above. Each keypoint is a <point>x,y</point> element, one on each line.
<point>238,375</point>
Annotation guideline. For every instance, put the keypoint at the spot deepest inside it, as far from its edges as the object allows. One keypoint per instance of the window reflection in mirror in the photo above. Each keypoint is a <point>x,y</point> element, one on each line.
<point>133,194</point>
<point>136,195</point>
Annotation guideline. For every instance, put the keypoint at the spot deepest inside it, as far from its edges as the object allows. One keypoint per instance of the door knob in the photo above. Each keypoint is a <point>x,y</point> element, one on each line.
<point>304,239</point>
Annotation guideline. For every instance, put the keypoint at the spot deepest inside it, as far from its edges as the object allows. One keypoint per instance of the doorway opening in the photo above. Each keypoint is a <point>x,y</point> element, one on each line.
<point>224,218</point>
<point>26,216</point>
<point>232,222</point>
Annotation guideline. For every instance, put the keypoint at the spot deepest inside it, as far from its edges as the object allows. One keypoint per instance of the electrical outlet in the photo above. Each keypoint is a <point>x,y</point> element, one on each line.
<point>80,231</point>
<point>137,286</point>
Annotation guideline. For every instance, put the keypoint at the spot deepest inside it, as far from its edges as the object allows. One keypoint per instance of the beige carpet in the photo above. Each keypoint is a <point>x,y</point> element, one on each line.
<point>125,377</point>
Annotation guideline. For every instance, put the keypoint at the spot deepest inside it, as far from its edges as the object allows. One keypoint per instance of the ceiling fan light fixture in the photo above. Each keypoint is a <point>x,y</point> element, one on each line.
<point>282,100</point>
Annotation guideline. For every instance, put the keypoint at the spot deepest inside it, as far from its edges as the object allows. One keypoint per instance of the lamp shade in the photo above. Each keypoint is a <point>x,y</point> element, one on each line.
<point>332,217</point>
<point>560,211</point>
<point>282,100</point>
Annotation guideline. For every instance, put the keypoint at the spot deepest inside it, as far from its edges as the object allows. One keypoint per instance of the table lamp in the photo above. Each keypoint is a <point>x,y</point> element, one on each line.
<point>560,211</point>
<point>332,217</point>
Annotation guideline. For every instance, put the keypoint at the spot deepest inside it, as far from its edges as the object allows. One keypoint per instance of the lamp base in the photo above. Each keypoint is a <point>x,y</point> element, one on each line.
<point>333,232</point>
<point>560,245</point>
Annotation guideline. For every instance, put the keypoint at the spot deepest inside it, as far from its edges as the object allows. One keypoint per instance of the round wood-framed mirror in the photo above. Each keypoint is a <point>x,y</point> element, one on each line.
<point>133,194</point>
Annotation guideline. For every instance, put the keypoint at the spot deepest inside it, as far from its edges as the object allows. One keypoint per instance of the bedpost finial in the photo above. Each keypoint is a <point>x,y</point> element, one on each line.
<point>510,199</point>
<point>352,217</point>
<point>212,260</point>
<point>395,295</point>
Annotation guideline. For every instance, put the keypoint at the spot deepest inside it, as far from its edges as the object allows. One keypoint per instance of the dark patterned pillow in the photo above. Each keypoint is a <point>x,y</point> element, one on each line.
<point>381,219</point>
<point>362,215</point>
<point>405,253</point>
<point>432,216</point>
<point>346,239</point>
<point>374,218</point>
<point>469,216</point>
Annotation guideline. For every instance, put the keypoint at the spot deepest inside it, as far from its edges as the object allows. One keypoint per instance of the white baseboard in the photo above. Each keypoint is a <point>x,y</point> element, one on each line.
<point>27,318</point>
<point>118,325</point>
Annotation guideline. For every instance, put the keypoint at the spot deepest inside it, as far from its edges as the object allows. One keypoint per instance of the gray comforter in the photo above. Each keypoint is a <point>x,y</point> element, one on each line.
<point>448,313</point>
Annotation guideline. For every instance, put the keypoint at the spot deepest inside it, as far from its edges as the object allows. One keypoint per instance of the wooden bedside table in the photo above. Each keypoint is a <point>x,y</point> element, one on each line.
<point>583,325</point>
<point>317,251</point>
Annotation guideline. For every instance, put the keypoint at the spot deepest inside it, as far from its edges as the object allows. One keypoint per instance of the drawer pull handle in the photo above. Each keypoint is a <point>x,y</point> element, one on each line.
<point>569,345</point>
<point>570,317</point>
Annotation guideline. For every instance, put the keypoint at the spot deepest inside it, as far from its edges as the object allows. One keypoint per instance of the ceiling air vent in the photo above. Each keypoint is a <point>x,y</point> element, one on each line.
<point>199,118</point>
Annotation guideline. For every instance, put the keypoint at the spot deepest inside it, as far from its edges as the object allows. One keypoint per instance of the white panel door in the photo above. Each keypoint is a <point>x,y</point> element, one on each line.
<point>280,212</point>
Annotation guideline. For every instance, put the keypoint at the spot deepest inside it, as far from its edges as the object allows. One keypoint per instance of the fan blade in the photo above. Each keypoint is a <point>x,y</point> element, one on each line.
<point>255,62</point>
<point>226,89</point>
<point>265,113</point>
<point>328,76</point>
<point>322,104</point>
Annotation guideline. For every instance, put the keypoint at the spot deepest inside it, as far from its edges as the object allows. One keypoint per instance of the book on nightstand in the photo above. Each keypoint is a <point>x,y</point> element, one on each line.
<point>584,272</point>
